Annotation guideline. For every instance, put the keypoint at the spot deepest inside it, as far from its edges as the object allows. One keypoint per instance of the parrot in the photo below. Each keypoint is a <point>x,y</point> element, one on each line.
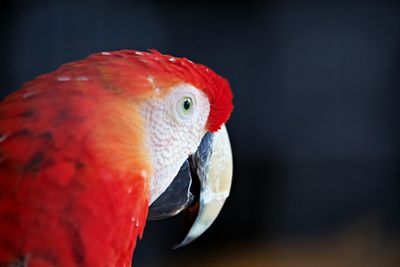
<point>93,150</point>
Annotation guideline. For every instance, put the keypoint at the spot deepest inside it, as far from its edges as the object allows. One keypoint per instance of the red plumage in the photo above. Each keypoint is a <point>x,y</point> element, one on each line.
<point>214,86</point>
<point>73,163</point>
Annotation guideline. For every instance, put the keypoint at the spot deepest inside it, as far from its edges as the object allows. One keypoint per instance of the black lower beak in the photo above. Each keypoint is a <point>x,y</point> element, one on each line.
<point>176,198</point>
<point>200,188</point>
<point>185,188</point>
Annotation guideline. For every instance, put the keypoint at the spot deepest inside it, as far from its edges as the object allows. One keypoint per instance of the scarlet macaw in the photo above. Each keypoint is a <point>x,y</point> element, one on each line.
<point>90,151</point>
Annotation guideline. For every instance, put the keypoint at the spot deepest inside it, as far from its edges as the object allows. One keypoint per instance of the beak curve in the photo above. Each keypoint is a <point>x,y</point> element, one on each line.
<point>200,188</point>
<point>212,164</point>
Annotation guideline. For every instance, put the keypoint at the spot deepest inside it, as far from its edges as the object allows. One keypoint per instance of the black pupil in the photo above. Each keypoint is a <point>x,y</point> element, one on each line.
<point>186,104</point>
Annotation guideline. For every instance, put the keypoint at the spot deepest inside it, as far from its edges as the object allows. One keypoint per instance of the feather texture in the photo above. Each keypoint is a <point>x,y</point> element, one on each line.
<point>74,167</point>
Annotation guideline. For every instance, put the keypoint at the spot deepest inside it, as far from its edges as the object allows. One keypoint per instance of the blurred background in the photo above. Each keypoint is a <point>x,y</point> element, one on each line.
<point>315,130</point>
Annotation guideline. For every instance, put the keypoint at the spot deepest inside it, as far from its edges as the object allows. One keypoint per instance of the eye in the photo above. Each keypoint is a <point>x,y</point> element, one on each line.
<point>185,106</point>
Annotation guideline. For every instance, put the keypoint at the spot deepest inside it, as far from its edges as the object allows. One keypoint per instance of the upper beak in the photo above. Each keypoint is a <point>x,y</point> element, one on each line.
<point>209,177</point>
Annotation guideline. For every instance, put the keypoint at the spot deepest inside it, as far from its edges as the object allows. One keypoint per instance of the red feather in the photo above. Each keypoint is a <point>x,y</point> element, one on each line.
<point>169,70</point>
<point>73,163</point>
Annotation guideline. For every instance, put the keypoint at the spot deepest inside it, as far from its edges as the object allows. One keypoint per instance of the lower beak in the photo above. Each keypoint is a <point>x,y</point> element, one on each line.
<point>200,188</point>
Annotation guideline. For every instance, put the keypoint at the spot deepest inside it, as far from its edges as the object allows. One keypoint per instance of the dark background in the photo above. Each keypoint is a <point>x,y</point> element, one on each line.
<point>315,130</point>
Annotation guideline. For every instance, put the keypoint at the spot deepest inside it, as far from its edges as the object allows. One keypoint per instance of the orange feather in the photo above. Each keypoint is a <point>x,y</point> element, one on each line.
<point>74,167</point>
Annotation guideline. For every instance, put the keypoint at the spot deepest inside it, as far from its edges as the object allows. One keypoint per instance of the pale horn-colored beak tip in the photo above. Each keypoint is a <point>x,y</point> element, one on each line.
<point>215,186</point>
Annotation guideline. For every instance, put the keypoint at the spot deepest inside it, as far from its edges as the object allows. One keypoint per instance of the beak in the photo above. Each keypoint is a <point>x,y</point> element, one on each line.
<point>200,188</point>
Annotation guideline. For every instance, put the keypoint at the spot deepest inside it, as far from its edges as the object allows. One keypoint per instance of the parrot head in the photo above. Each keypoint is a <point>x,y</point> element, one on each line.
<point>188,142</point>
<point>92,150</point>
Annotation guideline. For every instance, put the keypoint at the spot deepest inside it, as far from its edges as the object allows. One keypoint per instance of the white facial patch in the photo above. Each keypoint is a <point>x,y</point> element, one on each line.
<point>175,126</point>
